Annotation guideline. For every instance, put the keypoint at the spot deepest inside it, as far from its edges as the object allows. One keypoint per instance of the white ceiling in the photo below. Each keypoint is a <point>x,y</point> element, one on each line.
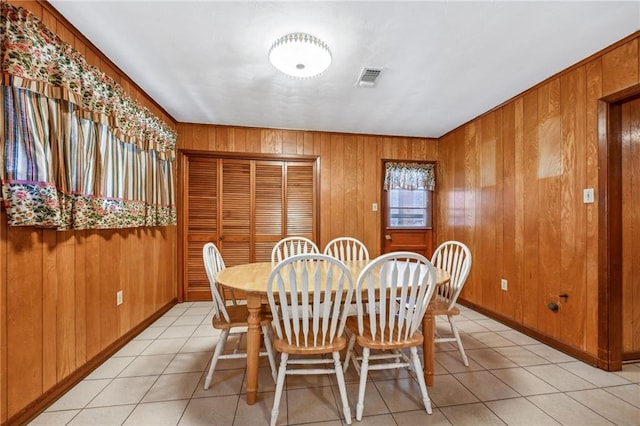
<point>443,63</point>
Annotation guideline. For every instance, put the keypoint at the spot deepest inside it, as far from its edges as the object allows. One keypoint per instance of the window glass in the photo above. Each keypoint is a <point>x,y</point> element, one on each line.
<point>409,208</point>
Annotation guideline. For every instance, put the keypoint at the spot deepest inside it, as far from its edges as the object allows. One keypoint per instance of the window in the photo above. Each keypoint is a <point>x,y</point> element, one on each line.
<point>409,208</point>
<point>409,189</point>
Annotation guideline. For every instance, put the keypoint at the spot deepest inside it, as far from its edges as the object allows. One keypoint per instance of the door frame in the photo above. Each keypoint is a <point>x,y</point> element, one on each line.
<point>383,201</point>
<point>610,227</point>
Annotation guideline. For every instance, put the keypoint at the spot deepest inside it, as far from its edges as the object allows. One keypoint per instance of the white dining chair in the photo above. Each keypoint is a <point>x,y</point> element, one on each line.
<point>347,249</point>
<point>455,258</point>
<point>230,319</point>
<point>291,246</point>
<point>314,280</point>
<point>387,325</point>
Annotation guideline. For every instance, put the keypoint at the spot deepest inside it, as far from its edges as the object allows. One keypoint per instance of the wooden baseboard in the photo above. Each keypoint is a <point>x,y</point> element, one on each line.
<point>543,338</point>
<point>49,397</point>
<point>631,356</point>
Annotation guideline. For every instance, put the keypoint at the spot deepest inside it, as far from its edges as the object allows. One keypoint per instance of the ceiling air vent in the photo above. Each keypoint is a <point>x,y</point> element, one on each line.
<point>368,77</point>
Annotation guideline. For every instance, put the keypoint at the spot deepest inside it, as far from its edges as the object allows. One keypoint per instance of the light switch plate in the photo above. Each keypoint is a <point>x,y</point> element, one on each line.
<point>374,207</point>
<point>588,195</point>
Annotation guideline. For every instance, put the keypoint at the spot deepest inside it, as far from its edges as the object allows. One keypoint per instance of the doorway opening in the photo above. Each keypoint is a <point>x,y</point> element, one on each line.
<point>618,176</point>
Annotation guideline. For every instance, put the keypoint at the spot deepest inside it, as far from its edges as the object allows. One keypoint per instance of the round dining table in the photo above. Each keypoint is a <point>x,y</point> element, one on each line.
<point>252,279</point>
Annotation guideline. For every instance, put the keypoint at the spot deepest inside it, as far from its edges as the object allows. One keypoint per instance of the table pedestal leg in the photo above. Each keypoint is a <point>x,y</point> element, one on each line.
<point>253,346</point>
<point>428,346</point>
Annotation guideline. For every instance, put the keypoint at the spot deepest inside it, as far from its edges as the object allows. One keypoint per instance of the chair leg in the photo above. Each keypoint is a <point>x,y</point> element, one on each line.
<point>456,334</point>
<point>216,354</point>
<point>269,348</point>
<point>279,385</point>
<point>423,387</point>
<point>364,367</point>
<point>343,388</point>
<point>352,342</point>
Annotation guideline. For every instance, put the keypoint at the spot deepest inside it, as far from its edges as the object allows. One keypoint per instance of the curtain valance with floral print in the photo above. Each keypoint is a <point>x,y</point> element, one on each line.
<point>77,152</point>
<point>409,176</point>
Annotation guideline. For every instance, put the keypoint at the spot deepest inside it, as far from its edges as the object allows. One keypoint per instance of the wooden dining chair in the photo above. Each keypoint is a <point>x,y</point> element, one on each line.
<point>292,246</point>
<point>230,319</point>
<point>455,258</point>
<point>387,325</point>
<point>318,281</point>
<point>346,249</point>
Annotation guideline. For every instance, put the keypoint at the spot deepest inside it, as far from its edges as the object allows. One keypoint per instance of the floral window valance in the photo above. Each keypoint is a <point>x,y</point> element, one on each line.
<point>409,176</point>
<point>77,152</point>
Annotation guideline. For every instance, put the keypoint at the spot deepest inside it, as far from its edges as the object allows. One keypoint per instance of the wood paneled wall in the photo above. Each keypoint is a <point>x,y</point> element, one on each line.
<point>511,188</point>
<point>350,169</point>
<point>58,289</point>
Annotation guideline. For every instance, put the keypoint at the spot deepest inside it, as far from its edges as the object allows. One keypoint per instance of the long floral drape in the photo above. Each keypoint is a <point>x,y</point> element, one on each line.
<point>409,176</point>
<point>77,152</point>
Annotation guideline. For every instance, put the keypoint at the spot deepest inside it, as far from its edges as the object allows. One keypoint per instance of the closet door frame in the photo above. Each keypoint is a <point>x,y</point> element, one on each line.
<point>182,186</point>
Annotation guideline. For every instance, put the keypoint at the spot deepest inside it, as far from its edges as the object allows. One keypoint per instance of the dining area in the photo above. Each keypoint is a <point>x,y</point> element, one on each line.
<point>320,304</point>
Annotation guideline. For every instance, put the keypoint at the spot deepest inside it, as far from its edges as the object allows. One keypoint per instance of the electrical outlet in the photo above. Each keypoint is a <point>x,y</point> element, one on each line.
<point>119,298</point>
<point>503,284</point>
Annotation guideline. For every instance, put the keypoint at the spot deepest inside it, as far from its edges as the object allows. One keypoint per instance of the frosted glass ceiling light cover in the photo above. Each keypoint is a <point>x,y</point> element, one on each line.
<point>300,55</point>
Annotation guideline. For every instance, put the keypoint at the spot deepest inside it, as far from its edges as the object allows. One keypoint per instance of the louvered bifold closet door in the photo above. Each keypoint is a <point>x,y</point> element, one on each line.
<point>269,198</point>
<point>301,200</point>
<point>236,204</point>
<point>202,214</point>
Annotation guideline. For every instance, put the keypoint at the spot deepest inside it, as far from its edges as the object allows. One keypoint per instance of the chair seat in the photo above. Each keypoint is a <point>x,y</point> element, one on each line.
<point>238,316</point>
<point>282,345</point>
<point>441,307</point>
<point>367,340</point>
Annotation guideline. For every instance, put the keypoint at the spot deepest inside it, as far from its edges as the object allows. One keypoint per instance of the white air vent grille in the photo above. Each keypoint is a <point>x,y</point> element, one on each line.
<point>368,77</point>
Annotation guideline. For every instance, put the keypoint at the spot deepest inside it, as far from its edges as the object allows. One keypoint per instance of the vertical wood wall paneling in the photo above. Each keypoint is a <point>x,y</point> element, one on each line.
<point>549,196</point>
<point>93,290</point>
<point>80,302</point>
<point>594,92</point>
<point>530,287</point>
<point>473,200</point>
<point>3,315</point>
<point>510,259</point>
<point>350,186</point>
<point>362,207</point>
<point>488,179</point>
<point>65,306</point>
<point>499,215</point>
<point>371,194</point>
<point>25,356</point>
<point>620,68</point>
<point>49,308</point>
<point>337,178</point>
<point>573,218</point>
<point>454,217</point>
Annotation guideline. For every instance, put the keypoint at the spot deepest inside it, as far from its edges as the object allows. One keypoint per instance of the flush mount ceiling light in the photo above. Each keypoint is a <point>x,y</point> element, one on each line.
<point>300,55</point>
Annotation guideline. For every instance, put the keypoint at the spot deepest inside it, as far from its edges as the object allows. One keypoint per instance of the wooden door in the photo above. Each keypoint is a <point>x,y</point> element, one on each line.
<point>407,221</point>
<point>201,207</point>
<point>236,207</point>
<point>630,132</point>
<point>244,206</point>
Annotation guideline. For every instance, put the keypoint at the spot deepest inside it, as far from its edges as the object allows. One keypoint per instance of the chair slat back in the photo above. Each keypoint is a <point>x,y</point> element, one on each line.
<point>455,258</point>
<point>398,287</point>
<point>292,246</point>
<point>304,293</point>
<point>213,263</point>
<point>347,249</point>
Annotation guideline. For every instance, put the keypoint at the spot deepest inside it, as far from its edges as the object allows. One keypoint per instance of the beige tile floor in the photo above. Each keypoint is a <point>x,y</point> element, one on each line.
<point>157,379</point>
